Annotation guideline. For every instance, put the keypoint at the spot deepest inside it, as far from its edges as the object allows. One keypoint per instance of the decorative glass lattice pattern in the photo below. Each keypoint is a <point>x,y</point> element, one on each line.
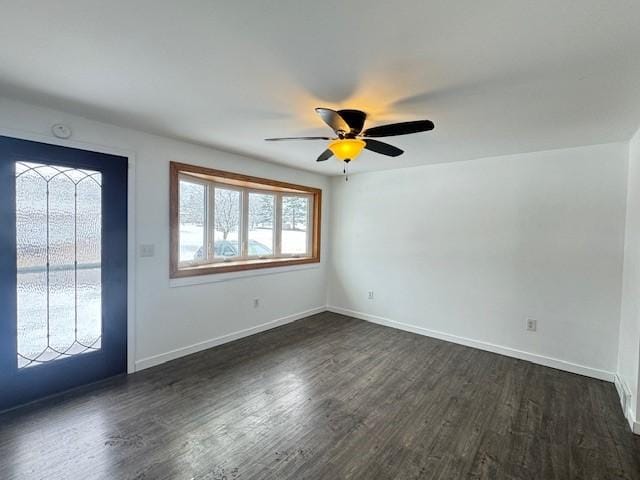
<point>59,243</point>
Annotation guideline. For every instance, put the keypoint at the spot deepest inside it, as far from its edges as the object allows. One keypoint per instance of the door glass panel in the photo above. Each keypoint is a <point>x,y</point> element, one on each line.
<point>58,239</point>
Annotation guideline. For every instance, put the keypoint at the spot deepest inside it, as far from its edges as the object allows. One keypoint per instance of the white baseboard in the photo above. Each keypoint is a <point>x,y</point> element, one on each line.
<point>154,360</point>
<point>481,345</point>
<point>625,403</point>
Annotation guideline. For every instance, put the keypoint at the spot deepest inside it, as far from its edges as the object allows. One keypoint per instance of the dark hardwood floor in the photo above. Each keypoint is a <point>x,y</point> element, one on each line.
<point>328,397</point>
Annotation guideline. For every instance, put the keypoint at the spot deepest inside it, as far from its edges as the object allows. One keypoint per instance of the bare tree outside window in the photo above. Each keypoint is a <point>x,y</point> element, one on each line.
<point>227,211</point>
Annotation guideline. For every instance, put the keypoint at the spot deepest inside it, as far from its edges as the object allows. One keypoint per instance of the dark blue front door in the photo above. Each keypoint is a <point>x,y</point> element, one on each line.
<point>63,268</point>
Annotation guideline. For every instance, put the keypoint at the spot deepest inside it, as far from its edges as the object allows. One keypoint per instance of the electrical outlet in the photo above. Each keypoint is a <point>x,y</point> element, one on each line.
<point>256,302</point>
<point>370,295</point>
<point>532,325</point>
<point>147,250</point>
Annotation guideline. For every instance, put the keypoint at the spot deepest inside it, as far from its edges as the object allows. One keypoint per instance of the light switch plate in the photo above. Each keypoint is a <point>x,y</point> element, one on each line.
<point>147,250</point>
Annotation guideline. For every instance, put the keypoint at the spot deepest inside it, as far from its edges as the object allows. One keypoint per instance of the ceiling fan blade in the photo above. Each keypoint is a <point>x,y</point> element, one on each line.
<point>354,118</point>
<point>403,128</point>
<point>326,155</point>
<point>333,119</point>
<point>296,138</point>
<point>383,148</point>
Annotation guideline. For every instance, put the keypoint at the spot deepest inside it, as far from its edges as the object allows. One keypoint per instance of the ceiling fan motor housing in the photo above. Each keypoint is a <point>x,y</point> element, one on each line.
<point>355,119</point>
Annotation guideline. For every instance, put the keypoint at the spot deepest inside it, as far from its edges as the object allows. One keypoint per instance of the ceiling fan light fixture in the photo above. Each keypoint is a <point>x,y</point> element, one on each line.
<point>347,148</point>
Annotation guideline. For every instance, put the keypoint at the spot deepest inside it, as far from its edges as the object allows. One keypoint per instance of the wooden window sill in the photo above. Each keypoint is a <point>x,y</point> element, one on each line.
<point>218,277</point>
<point>241,265</point>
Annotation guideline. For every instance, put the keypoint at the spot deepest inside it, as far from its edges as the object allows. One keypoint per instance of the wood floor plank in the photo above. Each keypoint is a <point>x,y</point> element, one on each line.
<point>328,397</point>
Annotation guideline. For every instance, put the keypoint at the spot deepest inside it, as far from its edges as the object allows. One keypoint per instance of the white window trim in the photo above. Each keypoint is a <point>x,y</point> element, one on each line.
<point>211,224</point>
<point>274,230</point>
<point>309,230</point>
<point>206,206</point>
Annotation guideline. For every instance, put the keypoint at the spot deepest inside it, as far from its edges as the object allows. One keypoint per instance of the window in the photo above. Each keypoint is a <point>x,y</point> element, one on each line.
<point>295,217</point>
<point>222,222</point>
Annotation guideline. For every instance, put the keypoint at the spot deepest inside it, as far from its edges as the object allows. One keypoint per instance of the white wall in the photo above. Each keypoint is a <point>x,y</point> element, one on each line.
<point>467,251</point>
<point>169,322</point>
<point>629,348</point>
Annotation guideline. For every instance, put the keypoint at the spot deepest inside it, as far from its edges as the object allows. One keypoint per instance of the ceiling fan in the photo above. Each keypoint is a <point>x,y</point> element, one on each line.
<point>351,139</point>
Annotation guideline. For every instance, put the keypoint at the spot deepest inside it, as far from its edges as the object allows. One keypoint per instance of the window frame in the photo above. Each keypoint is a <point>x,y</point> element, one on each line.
<point>309,216</point>
<point>246,185</point>
<point>206,207</point>
<point>211,258</point>
<point>275,233</point>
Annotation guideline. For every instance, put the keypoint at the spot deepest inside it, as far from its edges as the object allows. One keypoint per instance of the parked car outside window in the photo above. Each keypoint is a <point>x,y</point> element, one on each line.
<point>229,248</point>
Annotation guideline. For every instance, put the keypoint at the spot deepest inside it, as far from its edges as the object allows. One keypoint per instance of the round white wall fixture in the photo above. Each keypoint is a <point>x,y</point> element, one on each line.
<point>61,131</point>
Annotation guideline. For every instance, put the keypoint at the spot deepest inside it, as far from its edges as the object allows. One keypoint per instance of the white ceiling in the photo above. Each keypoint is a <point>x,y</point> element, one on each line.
<point>496,77</point>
